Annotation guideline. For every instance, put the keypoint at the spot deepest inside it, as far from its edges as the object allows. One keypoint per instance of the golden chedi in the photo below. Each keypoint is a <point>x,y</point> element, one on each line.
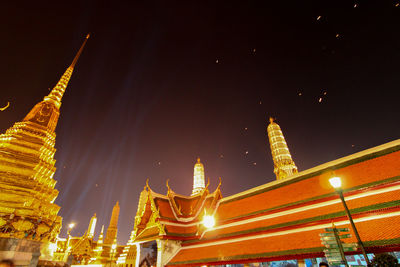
<point>198,178</point>
<point>27,193</point>
<point>284,166</point>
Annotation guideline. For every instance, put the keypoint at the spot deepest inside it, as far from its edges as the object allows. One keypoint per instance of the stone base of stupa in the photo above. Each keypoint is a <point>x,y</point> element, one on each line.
<point>23,252</point>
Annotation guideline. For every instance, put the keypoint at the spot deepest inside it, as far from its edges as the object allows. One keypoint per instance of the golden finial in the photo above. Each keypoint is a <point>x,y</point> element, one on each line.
<point>271,120</point>
<point>220,182</point>
<point>79,52</point>
<point>58,90</point>
<point>147,183</point>
<point>198,160</point>
<point>169,189</point>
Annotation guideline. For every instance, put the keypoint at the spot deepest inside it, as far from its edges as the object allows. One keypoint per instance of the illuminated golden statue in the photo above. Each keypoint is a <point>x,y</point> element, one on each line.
<point>27,193</point>
<point>283,163</point>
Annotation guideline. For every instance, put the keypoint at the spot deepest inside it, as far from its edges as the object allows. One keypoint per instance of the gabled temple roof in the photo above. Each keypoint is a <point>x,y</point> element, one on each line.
<point>173,215</point>
<point>282,219</point>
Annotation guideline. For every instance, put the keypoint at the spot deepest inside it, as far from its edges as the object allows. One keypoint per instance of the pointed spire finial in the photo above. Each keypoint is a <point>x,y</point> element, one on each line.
<point>79,52</point>
<point>271,120</point>
<point>198,160</point>
<point>58,91</point>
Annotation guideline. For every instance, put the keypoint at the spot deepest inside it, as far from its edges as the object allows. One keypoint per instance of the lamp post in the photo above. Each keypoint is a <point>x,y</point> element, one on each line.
<point>67,248</point>
<point>336,183</point>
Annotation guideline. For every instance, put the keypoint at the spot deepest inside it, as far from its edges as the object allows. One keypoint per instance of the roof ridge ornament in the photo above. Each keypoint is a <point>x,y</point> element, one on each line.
<point>219,184</point>
<point>169,188</point>
<point>271,120</point>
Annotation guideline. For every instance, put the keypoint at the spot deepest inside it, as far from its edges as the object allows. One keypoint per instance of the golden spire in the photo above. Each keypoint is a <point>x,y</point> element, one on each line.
<point>113,226</point>
<point>92,226</point>
<point>58,90</point>
<point>27,161</point>
<point>198,178</point>
<point>100,241</point>
<point>283,163</point>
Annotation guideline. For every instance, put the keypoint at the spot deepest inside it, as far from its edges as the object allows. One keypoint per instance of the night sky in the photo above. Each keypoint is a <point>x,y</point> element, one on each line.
<point>161,83</point>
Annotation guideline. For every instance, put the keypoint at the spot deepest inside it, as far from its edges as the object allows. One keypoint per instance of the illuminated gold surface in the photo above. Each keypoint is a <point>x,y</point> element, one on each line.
<point>27,193</point>
<point>283,163</point>
<point>198,178</point>
<point>5,107</point>
<point>92,226</point>
<point>113,226</point>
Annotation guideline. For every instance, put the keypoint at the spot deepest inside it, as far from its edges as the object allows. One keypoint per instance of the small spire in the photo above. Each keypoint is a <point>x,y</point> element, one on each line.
<point>58,91</point>
<point>271,120</point>
<point>101,236</point>
<point>79,52</point>
<point>198,178</point>
<point>284,165</point>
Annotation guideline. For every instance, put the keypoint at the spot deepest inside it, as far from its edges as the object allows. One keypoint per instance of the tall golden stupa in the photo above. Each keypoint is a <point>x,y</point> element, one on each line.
<point>283,163</point>
<point>112,229</point>
<point>27,194</point>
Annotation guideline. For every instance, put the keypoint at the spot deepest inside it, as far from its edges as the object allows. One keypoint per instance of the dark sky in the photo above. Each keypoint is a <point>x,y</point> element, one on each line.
<point>148,96</point>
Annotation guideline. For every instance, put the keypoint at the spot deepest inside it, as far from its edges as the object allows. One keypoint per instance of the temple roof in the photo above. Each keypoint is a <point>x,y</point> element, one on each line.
<point>173,215</point>
<point>283,219</point>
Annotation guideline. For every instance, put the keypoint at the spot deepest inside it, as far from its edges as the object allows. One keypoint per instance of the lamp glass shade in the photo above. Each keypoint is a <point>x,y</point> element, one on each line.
<point>336,182</point>
<point>208,221</point>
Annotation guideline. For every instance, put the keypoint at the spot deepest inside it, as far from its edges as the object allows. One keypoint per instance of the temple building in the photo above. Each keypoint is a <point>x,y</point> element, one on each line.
<point>29,223</point>
<point>84,250</point>
<point>163,221</point>
<point>283,163</point>
<point>280,220</point>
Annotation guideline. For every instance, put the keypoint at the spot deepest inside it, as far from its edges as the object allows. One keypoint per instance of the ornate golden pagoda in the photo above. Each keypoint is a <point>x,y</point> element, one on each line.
<point>27,193</point>
<point>92,227</point>
<point>198,178</point>
<point>112,229</point>
<point>283,163</point>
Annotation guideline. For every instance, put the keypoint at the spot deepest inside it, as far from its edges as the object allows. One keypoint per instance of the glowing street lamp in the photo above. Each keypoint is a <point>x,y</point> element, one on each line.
<point>67,247</point>
<point>70,226</point>
<point>208,221</point>
<point>336,183</point>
